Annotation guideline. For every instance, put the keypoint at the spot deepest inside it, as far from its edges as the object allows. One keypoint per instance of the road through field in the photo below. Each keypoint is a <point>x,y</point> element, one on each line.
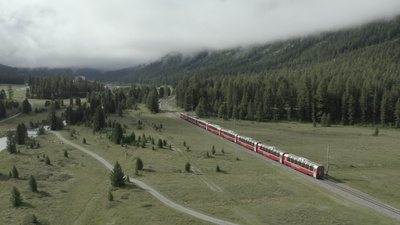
<point>345,192</point>
<point>156,194</point>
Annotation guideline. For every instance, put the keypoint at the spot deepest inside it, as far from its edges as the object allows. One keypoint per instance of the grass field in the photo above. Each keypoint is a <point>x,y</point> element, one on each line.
<point>247,191</point>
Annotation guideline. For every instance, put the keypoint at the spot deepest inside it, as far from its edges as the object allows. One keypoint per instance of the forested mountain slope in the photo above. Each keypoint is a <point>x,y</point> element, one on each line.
<point>351,76</point>
<point>291,54</point>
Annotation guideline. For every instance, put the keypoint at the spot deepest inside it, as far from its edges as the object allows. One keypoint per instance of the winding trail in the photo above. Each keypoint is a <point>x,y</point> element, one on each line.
<point>146,187</point>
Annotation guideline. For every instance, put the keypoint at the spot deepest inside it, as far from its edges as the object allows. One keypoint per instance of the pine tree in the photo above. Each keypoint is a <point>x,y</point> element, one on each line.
<point>15,199</point>
<point>217,169</point>
<point>152,102</point>
<point>65,153</point>
<point>26,106</point>
<point>117,176</point>
<point>98,119</point>
<point>32,184</point>
<point>139,163</point>
<point>213,150</point>
<point>47,160</point>
<point>11,145</point>
<point>14,172</point>
<point>160,143</point>
<point>3,111</point>
<point>117,133</point>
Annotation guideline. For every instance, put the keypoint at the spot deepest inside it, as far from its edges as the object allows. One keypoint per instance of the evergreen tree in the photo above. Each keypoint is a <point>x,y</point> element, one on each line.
<point>22,134</point>
<point>217,169</point>
<point>139,163</point>
<point>16,199</point>
<point>117,176</point>
<point>47,160</point>
<point>32,184</point>
<point>98,119</point>
<point>14,172</point>
<point>65,153</point>
<point>11,145</point>
<point>117,133</point>
<point>26,106</point>
<point>3,111</point>
<point>160,143</point>
<point>152,102</point>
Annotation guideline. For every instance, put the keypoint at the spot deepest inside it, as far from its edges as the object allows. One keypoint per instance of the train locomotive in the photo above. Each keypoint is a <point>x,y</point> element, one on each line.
<point>296,162</point>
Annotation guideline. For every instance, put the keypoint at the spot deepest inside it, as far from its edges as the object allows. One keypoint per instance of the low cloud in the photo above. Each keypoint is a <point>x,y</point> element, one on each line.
<point>116,34</point>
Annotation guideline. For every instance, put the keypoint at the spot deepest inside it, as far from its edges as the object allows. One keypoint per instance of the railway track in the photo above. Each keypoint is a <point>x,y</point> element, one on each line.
<point>334,187</point>
<point>363,197</point>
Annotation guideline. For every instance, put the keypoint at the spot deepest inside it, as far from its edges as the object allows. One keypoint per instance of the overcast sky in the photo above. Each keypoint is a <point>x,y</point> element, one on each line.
<point>112,34</point>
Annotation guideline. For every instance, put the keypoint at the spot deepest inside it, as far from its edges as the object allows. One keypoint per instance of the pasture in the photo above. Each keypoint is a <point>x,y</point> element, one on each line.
<point>248,190</point>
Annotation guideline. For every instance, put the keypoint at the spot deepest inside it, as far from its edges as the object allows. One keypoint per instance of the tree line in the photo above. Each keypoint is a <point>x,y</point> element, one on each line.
<point>361,86</point>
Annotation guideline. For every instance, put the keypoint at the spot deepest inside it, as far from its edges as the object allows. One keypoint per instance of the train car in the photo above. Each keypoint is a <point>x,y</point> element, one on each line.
<point>228,134</point>
<point>304,165</point>
<point>214,128</point>
<point>247,142</point>
<point>202,124</point>
<point>184,116</point>
<point>271,152</point>
<point>192,119</point>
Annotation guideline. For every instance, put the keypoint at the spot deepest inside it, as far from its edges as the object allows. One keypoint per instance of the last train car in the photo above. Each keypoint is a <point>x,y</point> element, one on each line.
<point>304,165</point>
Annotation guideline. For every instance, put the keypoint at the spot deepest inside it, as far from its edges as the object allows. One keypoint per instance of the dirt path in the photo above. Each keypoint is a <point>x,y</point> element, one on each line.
<point>147,188</point>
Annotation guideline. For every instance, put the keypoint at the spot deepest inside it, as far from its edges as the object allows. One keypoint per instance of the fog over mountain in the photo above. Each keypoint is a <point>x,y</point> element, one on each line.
<point>117,34</point>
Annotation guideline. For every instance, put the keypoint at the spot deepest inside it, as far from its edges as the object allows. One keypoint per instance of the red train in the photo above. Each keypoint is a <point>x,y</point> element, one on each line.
<point>298,163</point>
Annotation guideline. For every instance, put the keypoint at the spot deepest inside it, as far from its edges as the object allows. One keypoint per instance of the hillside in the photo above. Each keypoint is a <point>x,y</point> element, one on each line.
<point>292,54</point>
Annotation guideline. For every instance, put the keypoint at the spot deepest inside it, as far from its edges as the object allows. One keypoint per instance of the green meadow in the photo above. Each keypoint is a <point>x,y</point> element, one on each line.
<point>248,190</point>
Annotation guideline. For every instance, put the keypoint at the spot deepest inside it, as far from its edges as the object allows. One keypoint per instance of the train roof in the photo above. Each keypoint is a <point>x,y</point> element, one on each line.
<point>248,139</point>
<point>272,147</point>
<point>229,131</point>
<point>214,125</point>
<point>302,159</point>
<point>202,121</point>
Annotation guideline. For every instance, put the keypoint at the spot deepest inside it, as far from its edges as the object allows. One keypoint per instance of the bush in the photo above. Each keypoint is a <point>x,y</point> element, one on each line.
<point>213,150</point>
<point>187,167</point>
<point>84,140</point>
<point>110,196</point>
<point>217,169</point>
<point>47,160</point>
<point>65,153</point>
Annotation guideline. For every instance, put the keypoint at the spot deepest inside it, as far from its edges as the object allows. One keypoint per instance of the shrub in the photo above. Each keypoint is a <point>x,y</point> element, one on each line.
<point>65,153</point>
<point>110,196</point>
<point>47,160</point>
<point>187,167</point>
<point>84,140</point>
<point>217,169</point>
